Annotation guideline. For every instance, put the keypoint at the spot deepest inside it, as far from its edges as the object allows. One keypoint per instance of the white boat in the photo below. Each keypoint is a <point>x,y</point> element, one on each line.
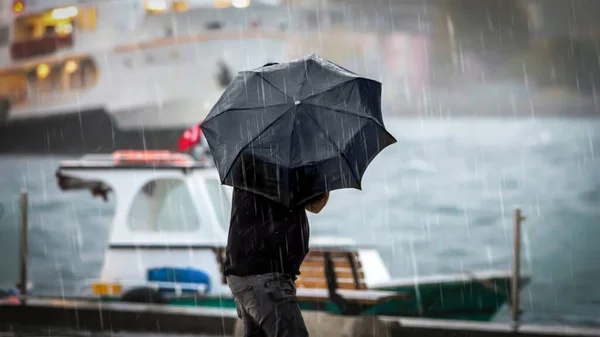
<point>94,76</point>
<point>170,228</point>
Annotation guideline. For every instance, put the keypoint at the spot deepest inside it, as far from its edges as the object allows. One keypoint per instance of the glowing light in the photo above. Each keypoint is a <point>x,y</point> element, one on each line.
<point>64,13</point>
<point>71,66</point>
<point>43,70</point>
<point>221,4</point>
<point>18,6</point>
<point>180,6</point>
<point>63,28</point>
<point>240,3</point>
<point>156,5</point>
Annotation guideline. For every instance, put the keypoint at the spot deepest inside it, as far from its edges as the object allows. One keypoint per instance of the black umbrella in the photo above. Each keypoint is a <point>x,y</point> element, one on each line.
<point>294,130</point>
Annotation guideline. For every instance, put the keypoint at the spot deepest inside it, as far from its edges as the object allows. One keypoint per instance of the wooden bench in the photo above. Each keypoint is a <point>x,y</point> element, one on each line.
<point>346,265</point>
<point>335,276</point>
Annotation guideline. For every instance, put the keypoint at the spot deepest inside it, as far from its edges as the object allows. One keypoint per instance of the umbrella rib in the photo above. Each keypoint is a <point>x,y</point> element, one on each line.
<point>243,109</point>
<point>345,112</point>
<point>272,85</point>
<point>326,91</point>
<point>324,132</point>
<point>304,78</point>
<point>253,139</point>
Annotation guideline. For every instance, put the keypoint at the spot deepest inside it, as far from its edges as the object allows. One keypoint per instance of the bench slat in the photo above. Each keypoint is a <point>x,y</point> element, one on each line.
<point>364,297</point>
<point>322,284</point>
<point>337,263</point>
<point>339,272</point>
<point>334,259</point>
<point>334,254</point>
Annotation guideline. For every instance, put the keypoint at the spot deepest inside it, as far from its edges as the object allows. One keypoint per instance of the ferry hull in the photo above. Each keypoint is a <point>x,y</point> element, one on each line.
<point>76,133</point>
<point>475,300</point>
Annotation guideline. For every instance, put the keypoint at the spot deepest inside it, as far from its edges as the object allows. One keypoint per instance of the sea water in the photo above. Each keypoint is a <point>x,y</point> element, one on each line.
<point>439,201</point>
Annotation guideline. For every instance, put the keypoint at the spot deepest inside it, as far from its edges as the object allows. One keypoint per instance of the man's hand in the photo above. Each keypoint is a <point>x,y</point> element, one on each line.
<point>316,205</point>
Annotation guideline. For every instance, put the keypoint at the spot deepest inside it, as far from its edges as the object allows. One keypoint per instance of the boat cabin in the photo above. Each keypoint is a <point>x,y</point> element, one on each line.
<point>171,223</point>
<point>40,30</point>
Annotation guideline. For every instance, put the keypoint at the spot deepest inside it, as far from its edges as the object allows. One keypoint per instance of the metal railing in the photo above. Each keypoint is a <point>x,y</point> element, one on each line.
<point>23,281</point>
<point>23,247</point>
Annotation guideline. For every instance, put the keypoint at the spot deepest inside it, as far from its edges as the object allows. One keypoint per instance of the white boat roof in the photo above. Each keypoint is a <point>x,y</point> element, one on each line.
<point>166,161</point>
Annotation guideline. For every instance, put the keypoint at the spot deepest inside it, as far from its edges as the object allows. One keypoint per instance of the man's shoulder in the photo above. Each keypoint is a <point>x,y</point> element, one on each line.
<point>241,193</point>
<point>241,196</point>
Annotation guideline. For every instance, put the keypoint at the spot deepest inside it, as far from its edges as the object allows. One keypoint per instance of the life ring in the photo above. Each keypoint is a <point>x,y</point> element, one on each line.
<point>144,295</point>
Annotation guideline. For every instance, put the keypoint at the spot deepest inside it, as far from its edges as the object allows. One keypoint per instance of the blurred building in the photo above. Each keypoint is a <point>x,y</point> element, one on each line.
<point>575,18</point>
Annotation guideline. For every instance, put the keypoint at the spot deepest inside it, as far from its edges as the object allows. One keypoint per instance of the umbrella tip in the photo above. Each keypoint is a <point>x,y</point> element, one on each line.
<point>297,102</point>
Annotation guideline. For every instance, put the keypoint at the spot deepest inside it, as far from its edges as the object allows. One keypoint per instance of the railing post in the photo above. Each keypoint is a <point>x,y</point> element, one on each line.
<point>516,272</point>
<point>23,203</point>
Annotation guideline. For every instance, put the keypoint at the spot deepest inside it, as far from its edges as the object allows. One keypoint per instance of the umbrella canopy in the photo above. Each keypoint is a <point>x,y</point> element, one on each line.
<point>294,130</point>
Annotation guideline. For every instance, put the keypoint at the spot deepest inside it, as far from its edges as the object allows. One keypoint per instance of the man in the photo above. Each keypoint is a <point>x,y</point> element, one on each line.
<point>266,246</point>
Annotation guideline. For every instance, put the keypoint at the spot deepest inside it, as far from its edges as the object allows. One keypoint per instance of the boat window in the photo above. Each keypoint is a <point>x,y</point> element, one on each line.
<point>43,33</point>
<point>49,23</point>
<point>49,30</point>
<point>26,85</point>
<point>4,33</point>
<point>220,200</point>
<point>13,88</point>
<point>81,75</point>
<point>312,19</point>
<point>163,205</point>
<point>337,18</point>
<point>214,25</point>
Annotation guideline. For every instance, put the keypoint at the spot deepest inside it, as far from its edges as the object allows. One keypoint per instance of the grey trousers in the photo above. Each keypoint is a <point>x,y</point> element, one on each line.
<point>267,305</point>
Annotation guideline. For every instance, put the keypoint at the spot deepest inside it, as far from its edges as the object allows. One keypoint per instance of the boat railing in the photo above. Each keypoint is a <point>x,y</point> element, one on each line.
<point>199,37</point>
<point>116,287</point>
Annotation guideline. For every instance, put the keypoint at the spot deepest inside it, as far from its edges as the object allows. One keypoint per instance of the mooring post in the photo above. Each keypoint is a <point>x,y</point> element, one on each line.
<point>516,272</point>
<point>23,203</point>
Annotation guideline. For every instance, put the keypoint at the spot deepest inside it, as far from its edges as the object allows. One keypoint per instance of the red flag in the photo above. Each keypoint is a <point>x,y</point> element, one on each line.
<point>190,138</point>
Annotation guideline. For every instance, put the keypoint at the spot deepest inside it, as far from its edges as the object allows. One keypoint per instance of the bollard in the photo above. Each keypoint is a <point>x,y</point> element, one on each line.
<point>516,272</point>
<point>23,199</point>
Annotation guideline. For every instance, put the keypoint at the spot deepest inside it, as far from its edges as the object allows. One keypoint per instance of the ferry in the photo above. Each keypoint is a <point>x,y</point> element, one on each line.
<point>169,234</point>
<point>99,76</point>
